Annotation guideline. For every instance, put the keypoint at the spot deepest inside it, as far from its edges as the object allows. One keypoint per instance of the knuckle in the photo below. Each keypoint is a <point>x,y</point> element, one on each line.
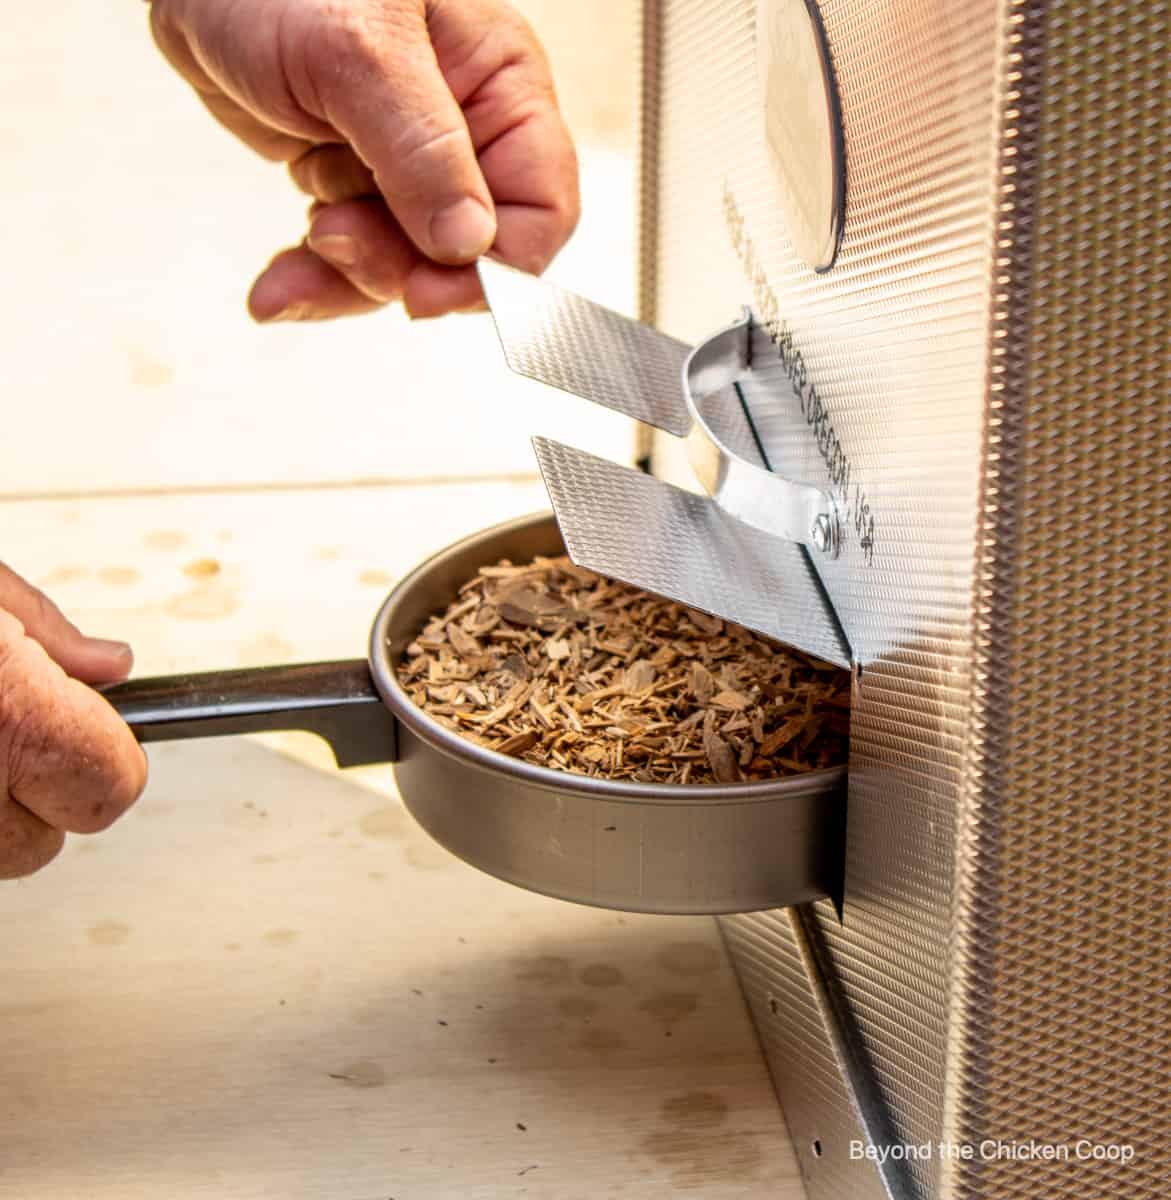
<point>354,46</point>
<point>45,613</point>
<point>81,761</point>
<point>33,752</point>
<point>331,174</point>
<point>22,730</point>
<point>112,784</point>
<point>11,637</point>
<point>303,171</point>
<point>26,846</point>
<point>352,36</point>
<point>428,146</point>
<point>524,36</point>
<point>39,615</point>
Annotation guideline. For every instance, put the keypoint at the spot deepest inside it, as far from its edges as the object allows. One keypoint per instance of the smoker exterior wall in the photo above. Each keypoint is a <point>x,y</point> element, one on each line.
<point>989,348</point>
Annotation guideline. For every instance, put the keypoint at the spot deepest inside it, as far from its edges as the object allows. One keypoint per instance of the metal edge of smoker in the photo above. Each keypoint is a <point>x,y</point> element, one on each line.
<point>646,187</point>
<point>822,1090</point>
<point>1059,1009</point>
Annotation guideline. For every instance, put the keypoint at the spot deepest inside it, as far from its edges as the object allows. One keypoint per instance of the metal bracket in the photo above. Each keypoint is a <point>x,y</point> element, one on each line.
<point>752,494</point>
<point>818,1066</point>
<point>571,343</point>
<point>748,550</point>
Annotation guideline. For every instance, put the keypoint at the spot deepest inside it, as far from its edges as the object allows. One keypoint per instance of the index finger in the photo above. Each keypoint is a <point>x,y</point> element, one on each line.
<point>381,87</point>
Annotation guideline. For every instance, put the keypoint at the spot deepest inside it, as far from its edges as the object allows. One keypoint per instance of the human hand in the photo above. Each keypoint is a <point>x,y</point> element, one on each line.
<point>427,131</point>
<point>68,763</point>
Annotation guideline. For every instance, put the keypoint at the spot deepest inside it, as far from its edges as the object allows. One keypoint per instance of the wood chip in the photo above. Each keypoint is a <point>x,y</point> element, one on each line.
<point>781,736</point>
<point>518,608</point>
<point>557,649</point>
<point>720,757</point>
<point>639,677</point>
<point>705,622</point>
<point>484,621</point>
<point>516,666</point>
<point>519,742</point>
<point>553,664</point>
<point>462,643</point>
<point>703,683</point>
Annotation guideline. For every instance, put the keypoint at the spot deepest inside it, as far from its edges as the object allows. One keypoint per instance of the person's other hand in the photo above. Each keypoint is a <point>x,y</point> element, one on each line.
<point>68,763</point>
<point>426,130</point>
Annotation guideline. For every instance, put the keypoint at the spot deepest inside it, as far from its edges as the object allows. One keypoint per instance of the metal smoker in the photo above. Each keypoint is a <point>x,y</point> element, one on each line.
<point>935,446</point>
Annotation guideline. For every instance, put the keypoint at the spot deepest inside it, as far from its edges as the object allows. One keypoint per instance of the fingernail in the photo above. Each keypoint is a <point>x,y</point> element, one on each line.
<point>113,648</point>
<point>337,248</point>
<point>463,230</point>
<point>297,311</point>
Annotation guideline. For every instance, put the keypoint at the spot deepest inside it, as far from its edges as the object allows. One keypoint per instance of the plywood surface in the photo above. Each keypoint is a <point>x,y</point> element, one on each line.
<point>267,982</point>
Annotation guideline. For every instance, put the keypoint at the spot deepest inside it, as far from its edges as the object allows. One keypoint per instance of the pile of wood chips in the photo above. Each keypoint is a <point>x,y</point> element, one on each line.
<point>567,669</point>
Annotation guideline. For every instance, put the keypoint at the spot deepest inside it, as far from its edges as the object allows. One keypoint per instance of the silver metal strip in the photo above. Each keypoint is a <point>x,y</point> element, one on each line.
<point>570,343</point>
<point>656,536</point>
<point>753,494</point>
<point>573,344</point>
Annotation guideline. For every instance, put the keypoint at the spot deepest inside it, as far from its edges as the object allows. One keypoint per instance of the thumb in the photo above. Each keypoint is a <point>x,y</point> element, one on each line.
<point>381,87</point>
<point>91,660</point>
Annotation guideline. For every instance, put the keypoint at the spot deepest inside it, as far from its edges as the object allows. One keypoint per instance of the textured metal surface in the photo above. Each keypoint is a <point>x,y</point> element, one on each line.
<point>982,379</point>
<point>683,546</point>
<point>580,347</point>
<point>569,342</point>
<point>814,1061</point>
<point>1060,1013</point>
<point>891,349</point>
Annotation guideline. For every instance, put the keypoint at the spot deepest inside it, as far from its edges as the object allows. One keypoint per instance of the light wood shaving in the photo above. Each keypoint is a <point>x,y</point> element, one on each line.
<point>567,669</point>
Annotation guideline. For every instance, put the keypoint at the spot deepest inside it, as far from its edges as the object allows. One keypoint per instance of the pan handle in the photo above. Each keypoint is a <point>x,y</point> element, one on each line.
<point>336,700</point>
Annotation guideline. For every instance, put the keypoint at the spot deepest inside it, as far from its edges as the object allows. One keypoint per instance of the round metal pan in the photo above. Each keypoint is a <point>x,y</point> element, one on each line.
<point>617,844</point>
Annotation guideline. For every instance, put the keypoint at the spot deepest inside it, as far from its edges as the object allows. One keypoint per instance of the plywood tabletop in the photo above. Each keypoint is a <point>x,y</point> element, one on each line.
<point>268,982</point>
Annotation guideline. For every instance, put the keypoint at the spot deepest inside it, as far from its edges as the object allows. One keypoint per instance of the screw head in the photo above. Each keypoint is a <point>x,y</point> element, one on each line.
<point>822,533</point>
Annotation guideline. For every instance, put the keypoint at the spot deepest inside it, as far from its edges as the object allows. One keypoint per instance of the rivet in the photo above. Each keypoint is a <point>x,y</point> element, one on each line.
<point>822,533</point>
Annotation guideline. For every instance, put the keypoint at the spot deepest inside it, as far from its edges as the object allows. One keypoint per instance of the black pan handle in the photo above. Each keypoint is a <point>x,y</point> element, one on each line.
<point>336,700</point>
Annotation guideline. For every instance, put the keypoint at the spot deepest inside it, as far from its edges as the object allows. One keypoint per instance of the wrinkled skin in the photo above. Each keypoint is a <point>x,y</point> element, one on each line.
<point>68,763</point>
<point>427,132</point>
